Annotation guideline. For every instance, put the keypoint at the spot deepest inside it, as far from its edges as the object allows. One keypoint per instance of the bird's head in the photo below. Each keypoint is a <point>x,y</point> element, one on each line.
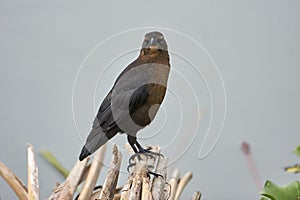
<point>154,41</point>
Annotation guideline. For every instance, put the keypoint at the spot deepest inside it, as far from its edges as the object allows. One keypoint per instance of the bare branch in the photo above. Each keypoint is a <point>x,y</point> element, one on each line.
<point>183,182</point>
<point>66,190</point>
<point>33,182</point>
<point>93,174</point>
<point>174,183</point>
<point>13,181</point>
<point>196,196</point>
<point>109,187</point>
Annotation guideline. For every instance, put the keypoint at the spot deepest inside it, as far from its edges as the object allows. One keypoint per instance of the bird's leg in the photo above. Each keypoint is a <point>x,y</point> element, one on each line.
<point>132,141</point>
<point>149,152</point>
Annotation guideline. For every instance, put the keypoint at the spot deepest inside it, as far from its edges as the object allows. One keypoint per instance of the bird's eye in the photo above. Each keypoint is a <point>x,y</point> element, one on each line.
<point>160,40</point>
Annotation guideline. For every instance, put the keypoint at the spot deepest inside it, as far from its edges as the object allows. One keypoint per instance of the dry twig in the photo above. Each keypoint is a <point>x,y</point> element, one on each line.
<point>111,180</point>
<point>174,184</point>
<point>14,182</point>
<point>183,182</point>
<point>93,174</point>
<point>196,196</point>
<point>158,185</point>
<point>33,183</point>
<point>66,190</point>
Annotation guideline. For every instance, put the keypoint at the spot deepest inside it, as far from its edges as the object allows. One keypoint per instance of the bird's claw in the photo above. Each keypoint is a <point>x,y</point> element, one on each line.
<point>148,171</point>
<point>138,156</point>
<point>149,152</point>
<point>154,174</point>
<point>132,158</point>
<point>129,166</point>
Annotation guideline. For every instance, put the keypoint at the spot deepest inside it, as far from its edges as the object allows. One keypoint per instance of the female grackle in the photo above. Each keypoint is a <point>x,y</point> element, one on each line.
<point>135,97</point>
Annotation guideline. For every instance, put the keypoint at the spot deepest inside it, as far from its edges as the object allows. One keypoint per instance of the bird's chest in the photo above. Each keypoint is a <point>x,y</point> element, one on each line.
<point>156,89</point>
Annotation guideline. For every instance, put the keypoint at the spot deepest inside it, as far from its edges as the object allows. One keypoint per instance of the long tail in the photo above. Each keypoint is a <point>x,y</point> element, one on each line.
<point>95,140</point>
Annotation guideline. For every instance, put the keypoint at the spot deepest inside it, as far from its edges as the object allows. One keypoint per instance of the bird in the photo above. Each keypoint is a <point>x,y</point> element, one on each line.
<point>135,97</point>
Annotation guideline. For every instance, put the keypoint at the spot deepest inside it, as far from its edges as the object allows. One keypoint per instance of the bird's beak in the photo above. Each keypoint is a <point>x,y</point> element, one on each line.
<point>153,44</point>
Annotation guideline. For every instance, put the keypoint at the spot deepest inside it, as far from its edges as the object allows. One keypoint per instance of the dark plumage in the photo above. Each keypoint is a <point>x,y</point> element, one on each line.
<point>135,97</point>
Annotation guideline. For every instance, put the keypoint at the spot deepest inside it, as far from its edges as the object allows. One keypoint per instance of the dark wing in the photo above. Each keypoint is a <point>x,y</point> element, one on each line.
<point>129,92</point>
<point>118,107</point>
<point>105,126</point>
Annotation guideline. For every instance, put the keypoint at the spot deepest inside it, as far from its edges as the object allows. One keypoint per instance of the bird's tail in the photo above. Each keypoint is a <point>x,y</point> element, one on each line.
<point>95,140</point>
<point>84,153</point>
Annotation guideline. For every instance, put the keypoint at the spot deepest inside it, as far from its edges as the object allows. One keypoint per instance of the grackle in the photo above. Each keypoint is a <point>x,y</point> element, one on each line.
<point>135,97</point>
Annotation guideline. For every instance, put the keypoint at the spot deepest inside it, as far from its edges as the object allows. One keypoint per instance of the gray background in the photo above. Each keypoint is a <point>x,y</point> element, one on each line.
<point>255,45</point>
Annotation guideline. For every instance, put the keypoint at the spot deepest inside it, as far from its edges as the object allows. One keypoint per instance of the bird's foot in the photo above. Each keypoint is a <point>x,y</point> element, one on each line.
<point>129,166</point>
<point>148,151</point>
<point>139,157</point>
<point>150,167</point>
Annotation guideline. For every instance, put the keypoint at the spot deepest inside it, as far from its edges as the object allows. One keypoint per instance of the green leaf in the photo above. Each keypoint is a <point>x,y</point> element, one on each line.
<point>290,191</point>
<point>297,151</point>
<point>54,162</point>
<point>264,198</point>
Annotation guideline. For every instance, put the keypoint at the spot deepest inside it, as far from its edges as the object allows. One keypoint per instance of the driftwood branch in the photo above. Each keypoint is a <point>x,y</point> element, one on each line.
<point>126,189</point>
<point>111,180</point>
<point>159,183</point>
<point>196,196</point>
<point>66,190</point>
<point>14,182</point>
<point>174,184</point>
<point>146,195</point>
<point>182,183</point>
<point>33,183</point>
<point>140,185</point>
<point>93,174</point>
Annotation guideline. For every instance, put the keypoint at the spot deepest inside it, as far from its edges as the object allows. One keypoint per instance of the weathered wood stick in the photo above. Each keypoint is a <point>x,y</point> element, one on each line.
<point>140,187</point>
<point>183,182</point>
<point>14,182</point>
<point>90,182</point>
<point>139,171</point>
<point>85,173</point>
<point>33,182</point>
<point>125,193</point>
<point>158,185</point>
<point>146,194</point>
<point>196,196</point>
<point>66,190</point>
<point>96,194</point>
<point>109,186</point>
<point>174,184</point>
<point>136,189</point>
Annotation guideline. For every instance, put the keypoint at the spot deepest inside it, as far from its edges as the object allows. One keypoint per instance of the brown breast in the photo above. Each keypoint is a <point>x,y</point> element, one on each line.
<point>160,68</point>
